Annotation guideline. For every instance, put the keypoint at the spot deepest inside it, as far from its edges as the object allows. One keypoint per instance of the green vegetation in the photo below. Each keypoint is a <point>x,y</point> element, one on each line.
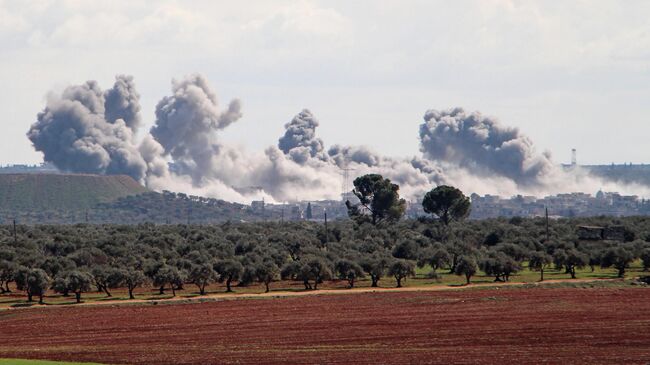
<point>86,259</point>
<point>34,192</point>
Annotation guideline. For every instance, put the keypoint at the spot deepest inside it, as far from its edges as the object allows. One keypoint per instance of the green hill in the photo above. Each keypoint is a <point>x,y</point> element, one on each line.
<point>33,192</point>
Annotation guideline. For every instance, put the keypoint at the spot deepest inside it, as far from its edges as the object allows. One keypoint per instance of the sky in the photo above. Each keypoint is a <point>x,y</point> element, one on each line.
<point>569,74</point>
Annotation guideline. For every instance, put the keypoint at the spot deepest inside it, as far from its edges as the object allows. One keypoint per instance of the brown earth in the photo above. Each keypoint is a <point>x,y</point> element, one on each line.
<point>486,326</point>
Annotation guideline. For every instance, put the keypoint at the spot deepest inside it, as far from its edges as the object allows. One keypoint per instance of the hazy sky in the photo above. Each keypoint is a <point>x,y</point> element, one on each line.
<point>567,73</point>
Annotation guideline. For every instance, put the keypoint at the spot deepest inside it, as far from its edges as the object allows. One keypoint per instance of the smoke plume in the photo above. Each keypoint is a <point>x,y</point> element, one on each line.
<point>483,146</point>
<point>74,134</point>
<point>85,129</point>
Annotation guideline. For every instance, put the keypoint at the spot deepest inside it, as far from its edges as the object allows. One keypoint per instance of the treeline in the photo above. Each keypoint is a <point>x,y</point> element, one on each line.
<point>374,244</point>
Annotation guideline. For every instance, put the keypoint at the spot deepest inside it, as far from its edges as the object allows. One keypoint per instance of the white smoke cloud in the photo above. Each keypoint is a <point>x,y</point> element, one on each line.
<point>87,130</point>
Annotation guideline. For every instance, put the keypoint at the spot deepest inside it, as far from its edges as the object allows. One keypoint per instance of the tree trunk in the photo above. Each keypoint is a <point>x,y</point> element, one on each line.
<point>162,289</point>
<point>316,284</point>
<point>573,272</point>
<point>374,279</point>
<point>621,272</point>
<point>467,277</point>
<point>29,296</point>
<point>108,294</point>
<point>399,282</point>
<point>7,287</point>
<point>173,290</point>
<point>266,283</point>
<point>131,293</point>
<point>40,299</point>
<point>228,289</point>
<point>78,296</point>
<point>541,278</point>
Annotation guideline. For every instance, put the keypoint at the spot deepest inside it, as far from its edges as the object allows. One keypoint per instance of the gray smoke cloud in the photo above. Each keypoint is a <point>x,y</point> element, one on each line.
<point>299,140</point>
<point>482,145</point>
<point>123,102</point>
<point>74,134</point>
<point>85,129</point>
<point>186,125</point>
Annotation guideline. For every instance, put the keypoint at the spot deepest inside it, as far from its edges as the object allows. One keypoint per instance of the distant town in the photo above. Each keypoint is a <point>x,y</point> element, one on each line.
<point>577,204</point>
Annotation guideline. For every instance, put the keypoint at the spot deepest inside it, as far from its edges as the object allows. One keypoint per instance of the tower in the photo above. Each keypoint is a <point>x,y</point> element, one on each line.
<point>345,185</point>
<point>574,160</point>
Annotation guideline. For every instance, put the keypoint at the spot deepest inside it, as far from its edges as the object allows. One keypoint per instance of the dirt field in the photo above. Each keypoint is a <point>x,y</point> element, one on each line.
<point>537,325</point>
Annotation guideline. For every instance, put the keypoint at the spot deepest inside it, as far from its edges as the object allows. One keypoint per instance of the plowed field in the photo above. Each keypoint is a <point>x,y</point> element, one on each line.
<point>487,326</point>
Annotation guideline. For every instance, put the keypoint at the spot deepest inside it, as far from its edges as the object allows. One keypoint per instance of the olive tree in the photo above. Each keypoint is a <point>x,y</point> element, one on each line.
<point>229,270</point>
<point>401,269</point>
<point>539,261</point>
<point>467,267</point>
<point>33,281</point>
<point>348,270</point>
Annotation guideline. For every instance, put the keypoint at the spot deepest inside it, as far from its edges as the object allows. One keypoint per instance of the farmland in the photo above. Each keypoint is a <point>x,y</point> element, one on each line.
<point>534,325</point>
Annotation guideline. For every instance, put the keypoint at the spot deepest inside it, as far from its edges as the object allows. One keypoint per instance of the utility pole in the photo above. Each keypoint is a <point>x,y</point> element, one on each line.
<point>263,210</point>
<point>546,208</point>
<point>282,214</point>
<point>327,233</point>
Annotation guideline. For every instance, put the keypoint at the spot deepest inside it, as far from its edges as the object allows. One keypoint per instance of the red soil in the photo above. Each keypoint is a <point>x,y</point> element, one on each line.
<point>487,326</point>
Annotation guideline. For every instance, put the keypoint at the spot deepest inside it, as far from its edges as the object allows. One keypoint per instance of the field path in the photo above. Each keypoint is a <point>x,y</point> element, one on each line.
<point>286,293</point>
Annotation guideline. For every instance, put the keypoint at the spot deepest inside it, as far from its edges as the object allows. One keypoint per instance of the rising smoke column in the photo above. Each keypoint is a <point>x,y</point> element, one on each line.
<point>482,146</point>
<point>186,125</point>
<point>74,134</point>
<point>299,140</point>
<point>123,102</point>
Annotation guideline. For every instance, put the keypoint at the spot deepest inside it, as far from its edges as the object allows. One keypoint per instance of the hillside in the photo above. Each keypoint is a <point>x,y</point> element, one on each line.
<point>37,192</point>
<point>76,198</point>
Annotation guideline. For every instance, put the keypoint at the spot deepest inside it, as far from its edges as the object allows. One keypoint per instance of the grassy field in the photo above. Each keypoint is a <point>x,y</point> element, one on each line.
<point>17,298</point>
<point>63,191</point>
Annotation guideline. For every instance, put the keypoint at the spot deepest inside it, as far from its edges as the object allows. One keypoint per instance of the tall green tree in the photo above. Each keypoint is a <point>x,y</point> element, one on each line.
<point>447,203</point>
<point>378,200</point>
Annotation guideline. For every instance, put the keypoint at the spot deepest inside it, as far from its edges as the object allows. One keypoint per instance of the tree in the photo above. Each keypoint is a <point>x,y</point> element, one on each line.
<point>466,266</point>
<point>228,271</point>
<point>8,272</point>
<point>308,213</point>
<point>401,269</point>
<point>499,265</point>
<point>446,202</point>
<point>78,282</point>
<point>618,257</point>
<point>106,277</point>
<point>315,269</point>
<point>539,261</point>
<point>167,274</point>
<point>645,258</point>
<point>348,270</point>
<point>133,278</point>
<point>201,275</point>
<point>33,282</point>
<point>434,257</point>
<point>572,259</point>
<point>266,272</point>
<point>375,266</point>
<point>378,197</point>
